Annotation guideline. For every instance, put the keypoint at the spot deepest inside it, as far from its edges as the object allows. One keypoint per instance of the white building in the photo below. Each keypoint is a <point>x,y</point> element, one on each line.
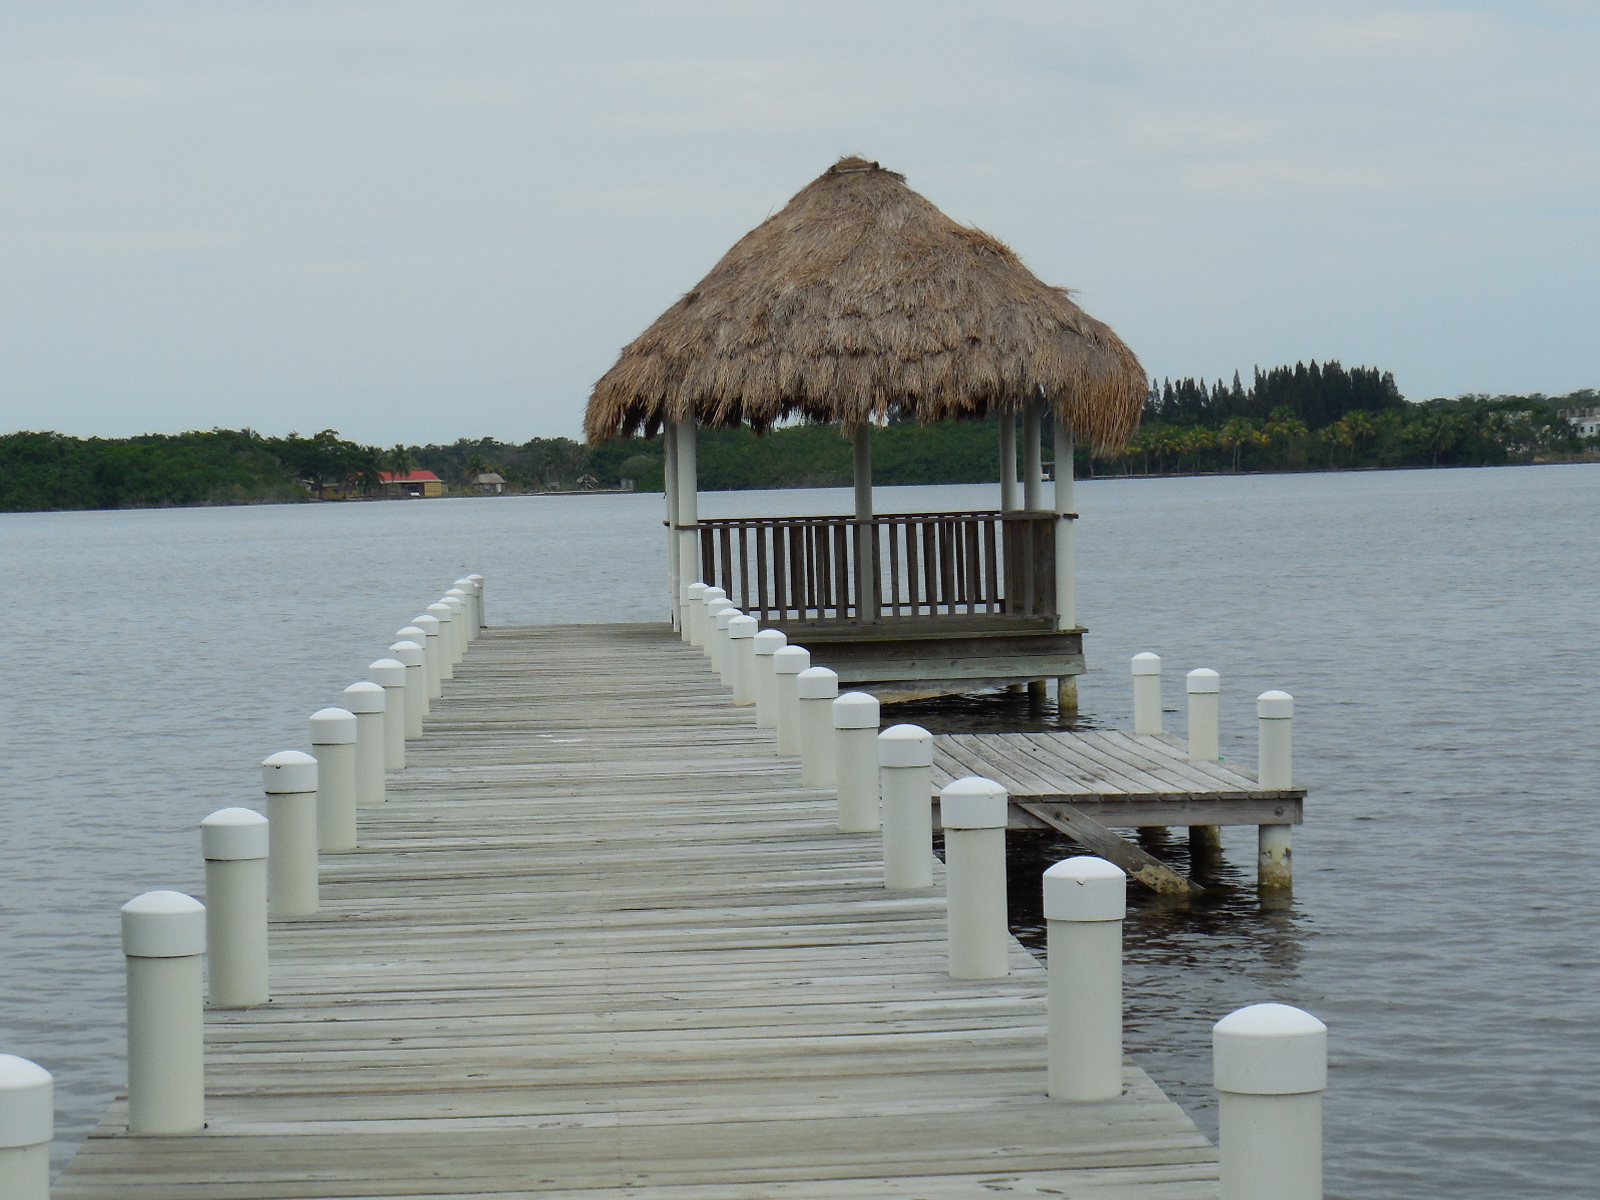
<point>1585,420</point>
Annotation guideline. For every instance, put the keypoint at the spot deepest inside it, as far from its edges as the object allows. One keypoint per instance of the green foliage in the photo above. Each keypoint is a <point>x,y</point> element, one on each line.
<point>1291,418</point>
<point>1466,431</point>
<point>50,471</point>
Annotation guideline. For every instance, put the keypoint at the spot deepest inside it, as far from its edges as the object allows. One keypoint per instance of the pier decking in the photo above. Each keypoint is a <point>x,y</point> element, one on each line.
<point>601,943</point>
<point>1115,778</point>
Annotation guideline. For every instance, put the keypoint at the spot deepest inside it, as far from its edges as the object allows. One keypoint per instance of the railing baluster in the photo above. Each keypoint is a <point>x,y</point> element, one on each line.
<point>744,568</point>
<point>947,580</point>
<point>893,600</point>
<point>762,612</point>
<point>991,578</point>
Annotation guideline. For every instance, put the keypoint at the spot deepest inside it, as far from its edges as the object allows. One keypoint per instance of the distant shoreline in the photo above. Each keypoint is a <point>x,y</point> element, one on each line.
<point>1590,460</point>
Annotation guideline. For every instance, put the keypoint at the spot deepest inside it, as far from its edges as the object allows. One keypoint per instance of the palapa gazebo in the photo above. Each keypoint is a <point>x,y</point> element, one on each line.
<point>857,303</point>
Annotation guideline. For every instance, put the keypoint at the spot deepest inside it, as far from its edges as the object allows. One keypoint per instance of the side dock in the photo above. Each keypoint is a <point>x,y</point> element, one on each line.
<point>601,942</point>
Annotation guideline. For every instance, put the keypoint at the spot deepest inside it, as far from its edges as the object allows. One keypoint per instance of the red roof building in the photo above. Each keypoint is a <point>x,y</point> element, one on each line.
<point>424,484</point>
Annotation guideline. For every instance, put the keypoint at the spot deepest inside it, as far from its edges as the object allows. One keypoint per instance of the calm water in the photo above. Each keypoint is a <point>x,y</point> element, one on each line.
<point>1438,630</point>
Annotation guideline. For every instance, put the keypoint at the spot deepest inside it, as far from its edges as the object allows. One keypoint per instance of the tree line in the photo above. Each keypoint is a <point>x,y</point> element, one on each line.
<point>1315,417</point>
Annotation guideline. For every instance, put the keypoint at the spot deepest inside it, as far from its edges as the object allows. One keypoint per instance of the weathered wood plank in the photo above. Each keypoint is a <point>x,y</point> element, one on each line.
<point>604,944</point>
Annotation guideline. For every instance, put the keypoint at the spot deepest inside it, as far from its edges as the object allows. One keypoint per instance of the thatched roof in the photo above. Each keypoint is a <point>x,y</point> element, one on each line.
<point>860,301</point>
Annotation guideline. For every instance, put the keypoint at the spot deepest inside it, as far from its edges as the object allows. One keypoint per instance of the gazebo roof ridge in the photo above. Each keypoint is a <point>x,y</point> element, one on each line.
<point>859,301</point>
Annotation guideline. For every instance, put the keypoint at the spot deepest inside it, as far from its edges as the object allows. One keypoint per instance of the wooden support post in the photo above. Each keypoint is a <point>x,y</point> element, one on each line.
<point>1275,772</point>
<point>1085,902</point>
<point>669,492</point>
<point>866,533</point>
<point>687,527</point>
<point>1008,462</point>
<point>1270,1065</point>
<point>1032,454</point>
<point>1066,532</point>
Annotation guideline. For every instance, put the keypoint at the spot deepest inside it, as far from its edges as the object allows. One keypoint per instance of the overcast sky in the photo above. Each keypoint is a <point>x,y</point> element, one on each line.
<point>423,221</point>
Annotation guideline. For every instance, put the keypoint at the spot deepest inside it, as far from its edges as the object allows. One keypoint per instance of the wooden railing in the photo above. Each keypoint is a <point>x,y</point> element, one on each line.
<point>922,565</point>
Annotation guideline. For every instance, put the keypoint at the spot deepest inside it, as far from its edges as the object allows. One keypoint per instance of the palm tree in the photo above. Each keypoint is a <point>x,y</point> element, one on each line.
<point>1236,434</point>
<point>400,460</point>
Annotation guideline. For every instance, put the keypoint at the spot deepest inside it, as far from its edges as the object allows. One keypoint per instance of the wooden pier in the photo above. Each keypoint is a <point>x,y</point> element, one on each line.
<point>1121,779</point>
<point>601,943</point>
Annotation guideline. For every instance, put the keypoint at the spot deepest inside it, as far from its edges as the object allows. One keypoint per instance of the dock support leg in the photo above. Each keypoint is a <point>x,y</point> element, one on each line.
<point>1274,856</point>
<point>1067,695</point>
<point>1036,691</point>
<point>1274,720</point>
<point>1205,843</point>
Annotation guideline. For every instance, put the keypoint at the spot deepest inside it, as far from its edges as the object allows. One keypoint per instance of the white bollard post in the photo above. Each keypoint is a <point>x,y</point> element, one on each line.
<point>27,1125</point>
<point>333,744</point>
<point>763,646</point>
<point>1147,693</point>
<point>787,663</point>
<point>1204,721</point>
<point>477,589</point>
<point>815,689</point>
<point>1275,772</point>
<point>855,732</point>
<point>974,812</point>
<point>415,657</point>
<point>742,658</point>
<point>390,674</point>
<point>163,940</point>
<point>428,625</point>
<point>721,648</point>
<point>1085,901</point>
<point>458,624</point>
<point>905,774</point>
<point>235,844</point>
<point>1270,1063</point>
<point>710,601</point>
<point>441,613</point>
<point>368,701</point>
<point>469,592</point>
<point>290,780</point>
<point>463,618</point>
<point>694,611</point>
